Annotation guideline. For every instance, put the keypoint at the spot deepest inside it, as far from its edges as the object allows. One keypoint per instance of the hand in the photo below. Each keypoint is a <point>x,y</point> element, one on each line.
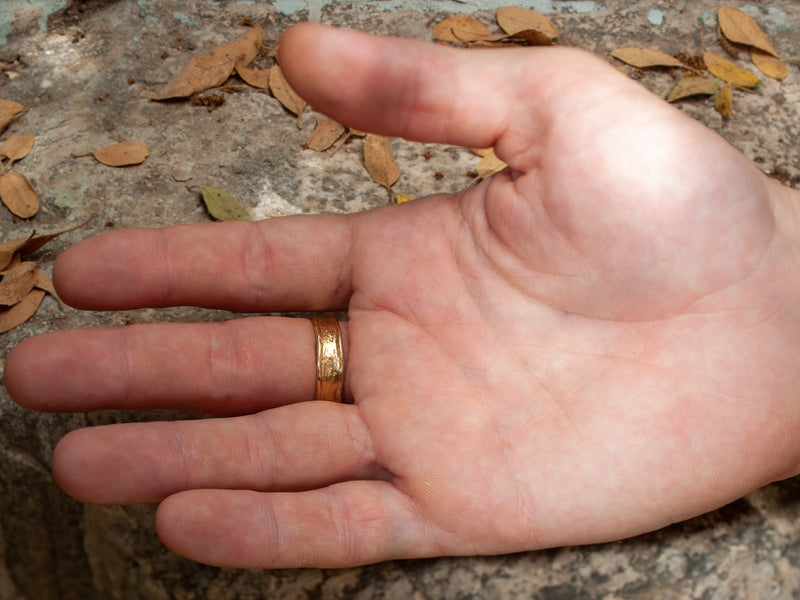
<point>597,342</point>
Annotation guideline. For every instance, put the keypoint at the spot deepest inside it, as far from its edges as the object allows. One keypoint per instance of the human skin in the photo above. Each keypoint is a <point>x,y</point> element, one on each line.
<point>597,342</point>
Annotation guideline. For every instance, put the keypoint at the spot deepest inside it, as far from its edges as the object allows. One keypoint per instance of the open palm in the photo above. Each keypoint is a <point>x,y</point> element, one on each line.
<point>597,342</point>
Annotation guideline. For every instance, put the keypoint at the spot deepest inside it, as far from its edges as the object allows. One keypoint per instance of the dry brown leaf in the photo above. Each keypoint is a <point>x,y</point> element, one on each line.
<point>513,19</point>
<point>258,78</point>
<point>122,154</point>
<point>489,165</point>
<point>42,282</point>
<point>17,147</point>
<point>693,86</point>
<point>460,28</point>
<point>324,135</point>
<point>379,160</point>
<point>482,151</point>
<point>769,65</point>
<point>9,250</point>
<point>742,29</point>
<point>644,57</point>
<point>17,282</point>
<point>22,311</point>
<point>284,93</point>
<point>728,71</point>
<point>205,71</point>
<point>9,110</point>
<point>18,195</point>
<point>526,37</point>
<point>723,103</point>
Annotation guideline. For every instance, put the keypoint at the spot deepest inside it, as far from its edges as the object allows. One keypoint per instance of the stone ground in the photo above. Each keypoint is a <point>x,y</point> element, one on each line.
<point>86,72</point>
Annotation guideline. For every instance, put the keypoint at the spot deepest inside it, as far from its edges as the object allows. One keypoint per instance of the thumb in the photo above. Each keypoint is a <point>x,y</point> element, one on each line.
<point>427,92</point>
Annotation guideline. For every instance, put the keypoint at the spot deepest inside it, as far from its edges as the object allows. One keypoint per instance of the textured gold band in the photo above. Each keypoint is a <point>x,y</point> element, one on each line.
<point>330,359</point>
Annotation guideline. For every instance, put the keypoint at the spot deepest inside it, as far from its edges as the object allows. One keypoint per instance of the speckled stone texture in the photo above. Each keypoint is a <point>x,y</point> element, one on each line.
<point>87,80</point>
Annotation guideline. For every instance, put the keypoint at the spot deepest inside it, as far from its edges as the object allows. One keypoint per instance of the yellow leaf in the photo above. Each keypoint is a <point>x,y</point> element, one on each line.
<point>769,65</point>
<point>513,19</point>
<point>741,29</point>
<point>723,103</point>
<point>693,86</point>
<point>122,154</point>
<point>644,57</point>
<point>284,93</point>
<point>379,160</point>
<point>460,29</point>
<point>17,147</point>
<point>18,195</point>
<point>489,165</point>
<point>401,198</point>
<point>728,71</point>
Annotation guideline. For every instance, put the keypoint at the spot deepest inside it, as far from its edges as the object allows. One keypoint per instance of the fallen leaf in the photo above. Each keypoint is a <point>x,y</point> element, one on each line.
<point>482,151</point>
<point>723,103</point>
<point>513,19</point>
<point>22,311</point>
<point>122,154</point>
<point>769,65</point>
<point>17,282</point>
<point>528,37</point>
<point>740,28</point>
<point>9,250</point>
<point>728,71</point>
<point>42,282</point>
<point>460,28</point>
<point>489,165</point>
<point>258,78</point>
<point>324,135</point>
<point>9,110</point>
<point>17,147</point>
<point>281,89</point>
<point>402,198</point>
<point>644,57</point>
<point>379,160</point>
<point>693,86</point>
<point>35,242</point>
<point>222,206</point>
<point>18,195</point>
<point>205,71</point>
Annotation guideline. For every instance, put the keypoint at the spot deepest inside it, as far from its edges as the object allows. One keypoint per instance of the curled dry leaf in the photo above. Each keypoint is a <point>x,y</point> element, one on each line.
<point>22,311</point>
<point>12,250</point>
<point>740,28</point>
<point>693,86</point>
<point>644,57</point>
<point>379,160</point>
<point>18,195</point>
<point>17,281</point>
<point>728,71</point>
<point>723,103</point>
<point>769,65</point>
<point>489,165</point>
<point>513,19</point>
<point>17,147</point>
<point>460,28</point>
<point>284,93</point>
<point>9,110</point>
<point>324,135</point>
<point>205,71</point>
<point>222,206</point>
<point>122,154</point>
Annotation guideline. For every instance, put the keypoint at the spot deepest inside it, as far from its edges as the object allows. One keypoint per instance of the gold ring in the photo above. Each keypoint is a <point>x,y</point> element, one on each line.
<point>330,359</point>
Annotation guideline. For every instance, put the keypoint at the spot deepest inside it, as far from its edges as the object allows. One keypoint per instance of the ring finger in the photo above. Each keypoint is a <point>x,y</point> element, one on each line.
<point>237,367</point>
